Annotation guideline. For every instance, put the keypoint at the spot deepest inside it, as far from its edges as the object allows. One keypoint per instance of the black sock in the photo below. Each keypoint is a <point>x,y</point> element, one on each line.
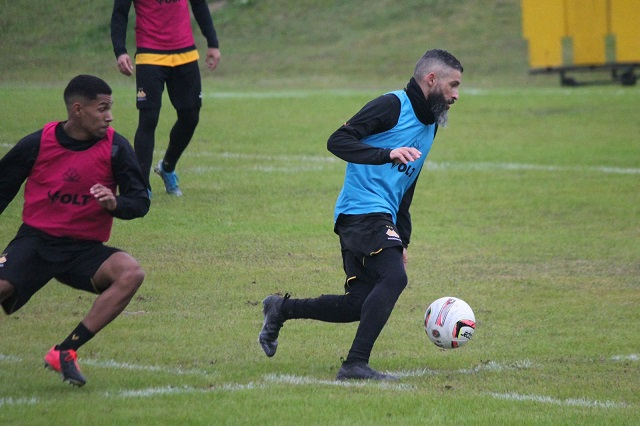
<point>77,338</point>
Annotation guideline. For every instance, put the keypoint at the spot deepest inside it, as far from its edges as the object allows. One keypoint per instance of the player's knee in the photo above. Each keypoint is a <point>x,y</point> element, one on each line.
<point>148,119</point>
<point>189,118</point>
<point>397,283</point>
<point>136,276</point>
<point>131,278</point>
<point>402,280</point>
<point>354,302</point>
<point>391,269</point>
<point>6,290</point>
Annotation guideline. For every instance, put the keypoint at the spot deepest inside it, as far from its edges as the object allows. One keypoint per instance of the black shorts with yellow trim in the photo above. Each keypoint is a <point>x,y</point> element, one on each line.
<point>33,258</point>
<point>182,79</point>
<point>363,236</point>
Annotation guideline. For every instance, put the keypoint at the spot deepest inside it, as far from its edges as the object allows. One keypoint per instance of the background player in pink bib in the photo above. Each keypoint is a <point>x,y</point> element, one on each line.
<point>166,55</point>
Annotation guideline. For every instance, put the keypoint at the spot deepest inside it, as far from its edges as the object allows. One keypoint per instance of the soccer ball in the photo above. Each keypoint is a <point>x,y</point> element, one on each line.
<point>449,322</point>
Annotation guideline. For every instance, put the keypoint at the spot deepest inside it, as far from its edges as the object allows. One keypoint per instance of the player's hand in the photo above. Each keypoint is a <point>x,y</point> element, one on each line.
<point>125,65</point>
<point>104,196</point>
<point>404,155</point>
<point>213,57</point>
<point>405,257</point>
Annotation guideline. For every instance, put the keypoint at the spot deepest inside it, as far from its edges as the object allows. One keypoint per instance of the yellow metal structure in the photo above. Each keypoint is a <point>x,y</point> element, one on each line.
<point>578,35</point>
<point>587,28</point>
<point>543,25</point>
<point>625,24</point>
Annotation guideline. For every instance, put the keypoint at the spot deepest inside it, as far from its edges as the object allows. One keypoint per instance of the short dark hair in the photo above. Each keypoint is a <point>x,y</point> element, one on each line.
<point>85,86</point>
<point>435,58</point>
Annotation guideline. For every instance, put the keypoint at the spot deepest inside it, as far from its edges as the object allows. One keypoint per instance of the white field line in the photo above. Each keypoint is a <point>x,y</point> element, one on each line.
<point>297,163</point>
<point>429,167</point>
<point>565,402</point>
<point>181,390</point>
<point>288,94</point>
<point>9,358</point>
<point>525,167</point>
<point>488,366</point>
<point>153,368</point>
<point>468,91</point>
<point>300,380</point>
<point>632,357</point>
<point>263,158</point>
<point>301,163</point>
<point>18,401</point>
<point>233,387</point>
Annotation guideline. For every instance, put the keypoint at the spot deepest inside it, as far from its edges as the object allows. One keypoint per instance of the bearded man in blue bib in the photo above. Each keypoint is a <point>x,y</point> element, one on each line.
<point>385,146</point>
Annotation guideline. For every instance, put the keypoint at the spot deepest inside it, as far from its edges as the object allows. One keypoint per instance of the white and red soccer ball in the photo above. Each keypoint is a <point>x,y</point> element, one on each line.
<point>449,322</point>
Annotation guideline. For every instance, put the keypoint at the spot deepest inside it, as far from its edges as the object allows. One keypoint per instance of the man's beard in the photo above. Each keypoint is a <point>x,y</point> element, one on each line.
<point>438,106</point>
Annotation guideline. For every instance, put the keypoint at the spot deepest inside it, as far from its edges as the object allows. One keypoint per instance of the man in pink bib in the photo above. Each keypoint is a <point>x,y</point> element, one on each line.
<point>165,56</point>
<point>79,175</point>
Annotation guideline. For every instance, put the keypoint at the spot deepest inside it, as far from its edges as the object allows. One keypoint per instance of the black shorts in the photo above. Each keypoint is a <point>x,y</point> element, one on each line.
<point>363,236</point>
<point>183,85</point>
<point>32,259</point>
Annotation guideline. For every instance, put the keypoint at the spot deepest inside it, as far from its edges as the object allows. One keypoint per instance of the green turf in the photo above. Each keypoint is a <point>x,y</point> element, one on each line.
<point>528,209</point>
<point>284,43</point>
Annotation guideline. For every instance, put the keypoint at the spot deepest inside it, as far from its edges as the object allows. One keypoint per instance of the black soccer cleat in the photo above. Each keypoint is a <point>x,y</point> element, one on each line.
<point>273,321</point>
<point>361,371</point>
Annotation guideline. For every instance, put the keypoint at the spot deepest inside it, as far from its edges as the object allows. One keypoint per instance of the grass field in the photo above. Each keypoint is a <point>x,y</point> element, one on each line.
<point>528,209</point>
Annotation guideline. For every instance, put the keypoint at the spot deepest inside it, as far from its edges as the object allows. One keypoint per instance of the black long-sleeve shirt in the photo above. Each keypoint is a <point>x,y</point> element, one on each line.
<point>120,19</point>
<point>132,198</point>
<point>378,116</point>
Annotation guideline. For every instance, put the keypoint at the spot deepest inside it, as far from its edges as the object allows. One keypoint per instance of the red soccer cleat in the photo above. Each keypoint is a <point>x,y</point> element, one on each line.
<point>65,362</point>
